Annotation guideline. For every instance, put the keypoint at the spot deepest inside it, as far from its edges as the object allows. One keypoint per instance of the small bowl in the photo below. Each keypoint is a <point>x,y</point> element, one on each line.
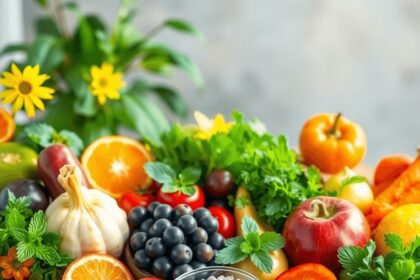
<point>129,260</point>
<point>204,273</point>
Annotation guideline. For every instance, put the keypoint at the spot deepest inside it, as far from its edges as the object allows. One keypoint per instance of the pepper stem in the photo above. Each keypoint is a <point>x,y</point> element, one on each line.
<point>335,124</point>
<point>70,179</point>
<point>318,210</point>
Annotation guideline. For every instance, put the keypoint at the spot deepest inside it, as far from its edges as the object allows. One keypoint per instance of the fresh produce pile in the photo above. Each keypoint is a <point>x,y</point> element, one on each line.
<point>216,193</point>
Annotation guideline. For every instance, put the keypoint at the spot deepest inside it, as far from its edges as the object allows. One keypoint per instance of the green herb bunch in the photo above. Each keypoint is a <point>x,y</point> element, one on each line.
<point>402,263</point>
<point>261,162</point>
<point>25,230</point>
<point>68,56</point>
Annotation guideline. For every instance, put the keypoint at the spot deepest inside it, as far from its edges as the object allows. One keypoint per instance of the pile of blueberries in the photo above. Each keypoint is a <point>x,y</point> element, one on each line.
<point>169,242</point>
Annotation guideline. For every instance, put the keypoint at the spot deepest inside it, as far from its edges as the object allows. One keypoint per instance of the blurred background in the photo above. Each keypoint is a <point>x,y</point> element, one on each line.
<point>283,61</point>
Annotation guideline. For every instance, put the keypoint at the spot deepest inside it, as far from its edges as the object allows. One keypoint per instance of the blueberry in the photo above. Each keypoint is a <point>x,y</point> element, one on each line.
<point>153,206</point>
<point>181,210</point>
<point>187,224</point>
<point>163,211</point>
<point>216,241</point>
<point>138,241</point>
<point>162,267</point>
<point>203,253</point>
<point>213,260</point>
<point>181,269</point>
<point>141,260</point>
<point>155,248</point>
<point>201,212</point>
<point>146,225</point>
<point>199,236</point>
<point>173,236</point>
<point>209,223</point>
<point>159,227</point>
<point>137,216</point>
<point>181,254</point>
<point>196,264</point>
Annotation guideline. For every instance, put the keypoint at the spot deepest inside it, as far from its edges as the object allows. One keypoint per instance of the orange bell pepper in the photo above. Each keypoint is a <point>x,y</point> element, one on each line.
<point>332,142</point>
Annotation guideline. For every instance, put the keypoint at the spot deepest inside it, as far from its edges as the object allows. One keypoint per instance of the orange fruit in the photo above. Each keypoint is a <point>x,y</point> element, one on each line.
<point>307,271</point>
<point>7,126</point>
<point>115,165</point>
<point>404,221</point>
<point>97,267</point>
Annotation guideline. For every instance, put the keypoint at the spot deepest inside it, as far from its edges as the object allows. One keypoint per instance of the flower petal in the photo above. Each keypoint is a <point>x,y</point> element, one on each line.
<point>102,99</point>
<point>44,92</point>
<point>29,107</point>
<point>38,103</point>
<point>18,104</point>
<point>9,96</point>
<point>16,71</point>
<point>203,121</point>
<point>7,273</point>
<point>9,80</point>
<point>39,80</point>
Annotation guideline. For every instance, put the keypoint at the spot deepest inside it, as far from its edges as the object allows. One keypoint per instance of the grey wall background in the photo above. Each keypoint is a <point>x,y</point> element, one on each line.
<point>283,61</point>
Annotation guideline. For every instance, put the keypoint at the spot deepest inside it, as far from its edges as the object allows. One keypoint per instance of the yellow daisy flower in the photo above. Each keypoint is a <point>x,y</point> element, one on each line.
<point>209,127</point>
<point>105,82</point>
<point>25,89</point>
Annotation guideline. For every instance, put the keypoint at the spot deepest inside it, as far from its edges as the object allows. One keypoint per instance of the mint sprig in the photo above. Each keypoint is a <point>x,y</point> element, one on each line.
<point>171,181</point>
<point>253,245</point>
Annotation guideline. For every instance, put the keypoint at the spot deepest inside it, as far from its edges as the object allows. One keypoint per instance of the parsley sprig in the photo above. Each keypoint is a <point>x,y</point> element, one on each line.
<point>253,245</point>
<point>402,263</point>
<point>171,182</point>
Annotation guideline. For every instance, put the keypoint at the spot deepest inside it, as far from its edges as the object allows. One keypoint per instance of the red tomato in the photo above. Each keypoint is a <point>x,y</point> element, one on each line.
<point>132,199</point>
<point>173,199</point>
<point>227,225</point>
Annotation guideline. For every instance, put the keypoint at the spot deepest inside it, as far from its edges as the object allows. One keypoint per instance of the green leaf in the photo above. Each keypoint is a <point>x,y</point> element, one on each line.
<point>47,52</point>
<point>403,269</point>
<point>42,3</point>
<point>18,234</point>
<point>263,261</point>
<point>252,243</point>
<point>353,180</point>
<point>183,26</point>
<point>234,241</point>
<point>271,241</point>
<point>46,26</point>
<point>247,248</point>
<point>48,254</point>
<point>172,99</point>
<point>14,219</point>
<point>248,225</point>
<point>190,175</point>
<point>13,48</point>
<point>161,172</point>
<point>230,255</point>
<point>24,251</point>
<point>73,141</point>
<point>188,190</point>
<point>394,242</point>
<point>38,225</point>
<point>85,103</point>
<point>351,257</point>
<point>52,239</point>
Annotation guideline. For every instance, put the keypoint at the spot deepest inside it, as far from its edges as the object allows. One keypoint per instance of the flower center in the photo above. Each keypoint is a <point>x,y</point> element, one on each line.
<point>103,82</point>
<point>16,264</point>
<point>25,87</point>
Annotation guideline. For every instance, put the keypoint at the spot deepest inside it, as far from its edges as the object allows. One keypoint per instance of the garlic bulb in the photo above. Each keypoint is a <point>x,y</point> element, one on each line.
<point>88,219</point>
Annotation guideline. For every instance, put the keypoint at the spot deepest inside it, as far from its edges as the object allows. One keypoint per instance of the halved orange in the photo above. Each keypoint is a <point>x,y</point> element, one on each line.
<point>97,267</point>
<point>7,126</point>
<point>115,165</point>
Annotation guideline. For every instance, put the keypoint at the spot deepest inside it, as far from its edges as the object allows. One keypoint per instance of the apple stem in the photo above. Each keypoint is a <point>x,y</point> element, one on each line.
<point>318,210</point>
<point>335,124</point>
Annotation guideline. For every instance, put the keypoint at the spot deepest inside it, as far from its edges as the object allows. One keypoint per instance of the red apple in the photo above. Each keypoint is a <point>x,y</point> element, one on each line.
<point>319,227</point>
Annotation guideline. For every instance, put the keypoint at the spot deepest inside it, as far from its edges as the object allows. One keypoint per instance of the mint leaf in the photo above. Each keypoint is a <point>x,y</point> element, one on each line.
<point>248,225</point>
<point>188,190</point>
<point>190,175</point>
<point>169,188</point>
<point>263,261</point>
<point>71,140</point>
<point>271,241</point>
<point>353,180</point>
<point>247,247</point>
<point>394,242</point>
<point>230,255</point>
<point>37,225</point>
<point>52,239</point>
<point>351,257</point>
<point>160,172</point>
<point>252,241</point>
<point>235,241</point>
<point>24,251</point>
<point>14,219</point>
<point>48,254</point>
<point>403,269</point>
<point>18,234</point>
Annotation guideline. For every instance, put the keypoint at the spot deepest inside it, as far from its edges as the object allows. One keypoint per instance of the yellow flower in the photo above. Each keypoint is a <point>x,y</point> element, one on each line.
<point>209,127</point>
<point>24,89</point>
<point>105,82</point>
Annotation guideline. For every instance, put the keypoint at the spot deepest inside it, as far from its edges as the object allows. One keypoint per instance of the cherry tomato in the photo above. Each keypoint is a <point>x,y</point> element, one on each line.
<point>227,225</point>
<point>173,199</point>
<point>132,199</point>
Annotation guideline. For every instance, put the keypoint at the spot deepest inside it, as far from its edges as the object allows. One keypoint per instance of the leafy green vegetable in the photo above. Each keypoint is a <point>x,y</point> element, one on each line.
<point>171,183</point>
<point>261,162</point>
<point>21,228</point>
<point>253,245</point>
<point>41,135</point>
<point>353,180</point>
<point>402,263</point>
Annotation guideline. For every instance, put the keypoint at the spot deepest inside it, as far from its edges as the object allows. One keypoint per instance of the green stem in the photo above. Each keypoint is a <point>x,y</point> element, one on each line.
<point>333,131</point>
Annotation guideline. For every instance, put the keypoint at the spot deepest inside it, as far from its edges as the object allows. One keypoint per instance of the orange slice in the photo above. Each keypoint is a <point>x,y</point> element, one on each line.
<point>115,165</point>
<point>97,267</point>
<point>7,126</point>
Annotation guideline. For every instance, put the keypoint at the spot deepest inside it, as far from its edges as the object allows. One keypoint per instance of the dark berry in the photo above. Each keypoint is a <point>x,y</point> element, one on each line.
<point>159,227</point>
<point>203,253</point>
<point>213,260</point>
<point>181,210</point>
<point>162,267</point>
<point>173,236</point>
<point>137,216</point>
<point>196,264</point>
<point>216,241</point>
<point>219,183</point>
<point>146,225</point>
<point>155,248</point>
<point>181,254</point>
<point>153,206</point>
<point>163,211</point>
<point>199,236</point>
<point>138,241</point>
<point>187,224</point>
<point>209,223</point>
<point>181,269</point>
<point>201,212</point>
<point>142,260</point>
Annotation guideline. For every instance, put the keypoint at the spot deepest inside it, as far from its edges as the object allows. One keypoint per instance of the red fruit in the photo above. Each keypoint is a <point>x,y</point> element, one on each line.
<point>319,227</point>
<point>131,199</point>
<point>227,225</point>
<point>173,199</point>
